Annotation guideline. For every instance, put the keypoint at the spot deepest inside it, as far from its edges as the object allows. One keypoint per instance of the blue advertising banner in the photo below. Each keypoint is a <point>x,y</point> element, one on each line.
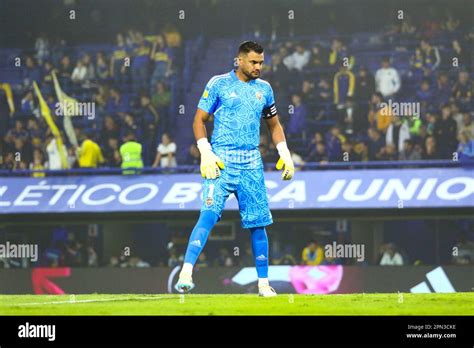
<point>331,189</point>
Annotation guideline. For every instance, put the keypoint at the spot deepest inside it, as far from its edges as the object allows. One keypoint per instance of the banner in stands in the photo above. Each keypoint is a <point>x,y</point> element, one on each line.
<point>331,189</point>
<point>334,279</point>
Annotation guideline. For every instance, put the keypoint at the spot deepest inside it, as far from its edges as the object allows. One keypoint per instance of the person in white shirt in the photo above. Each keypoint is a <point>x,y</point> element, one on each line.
<point>54,158</point>
<point>166,153</point>
<point>391,257</point>
<point>387,80</point>
<point>79,73</point>
<point>298,59</point>
<point>397,130</point>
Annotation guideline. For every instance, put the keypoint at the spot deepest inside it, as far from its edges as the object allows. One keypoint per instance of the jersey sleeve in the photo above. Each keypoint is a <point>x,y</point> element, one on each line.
<point>209,98</point>
<point>269,110</point>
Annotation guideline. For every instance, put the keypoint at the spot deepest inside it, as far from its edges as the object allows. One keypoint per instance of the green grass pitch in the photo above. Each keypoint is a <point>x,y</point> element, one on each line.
<point>195,304</point>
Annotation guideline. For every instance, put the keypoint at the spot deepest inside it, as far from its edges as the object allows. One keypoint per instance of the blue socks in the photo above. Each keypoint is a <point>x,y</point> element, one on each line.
<point>199,235</point>
<point>260,250</point>
<point>201,231</point>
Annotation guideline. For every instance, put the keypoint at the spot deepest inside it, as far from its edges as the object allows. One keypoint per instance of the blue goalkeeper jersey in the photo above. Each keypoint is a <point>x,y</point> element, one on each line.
<point>237,107</point>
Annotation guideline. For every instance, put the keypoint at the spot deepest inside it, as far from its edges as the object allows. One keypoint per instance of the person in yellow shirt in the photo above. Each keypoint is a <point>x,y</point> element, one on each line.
<point>90,154</point>
<point>313,254</point>
<point>380,113</point>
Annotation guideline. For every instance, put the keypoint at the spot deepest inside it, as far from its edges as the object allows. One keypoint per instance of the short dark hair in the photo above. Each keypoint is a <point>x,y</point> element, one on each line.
<point>250,46</point>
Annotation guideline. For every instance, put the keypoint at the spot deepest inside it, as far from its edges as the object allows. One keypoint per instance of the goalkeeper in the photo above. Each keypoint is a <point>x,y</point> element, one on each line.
<point>232,162</point>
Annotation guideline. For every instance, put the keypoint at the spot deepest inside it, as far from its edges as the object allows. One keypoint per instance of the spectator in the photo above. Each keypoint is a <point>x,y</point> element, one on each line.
<point>344,83</point>
<point>463,56</point>
<point>297,122</point>
<point>173,259</point>
<point>54,156</point>
<point>319,57</point>
<point>376,143</point>
<point>387,153</point>
<point>90,154</point>
<point>431,57</point>
<point>409,152</point>
<point>365,85</point>
<point>312,254</point>
<point>308,94</point>
<point>89,75</point>
<point>17,133</point>
<point>28,104</point>
<point>118,66</point>
<point>457,115</point>
<point>362,150</point>
<point>136,262</point>
<point>109,130</point>
<point>416,66</point>
<point>351,118</point>
<point>430,150</point>
<point>117,103</point>
<point>390,256</point>
<point>194,156</point>
<point>140,63</point>
<point>202,260</point>
<point>224,259</point>
<point>324,92</point>
<point>463,89</point>
<point>467,124</point>
<point>333,143</point>
<point>380,114</point>
<point>131,154</point>
<point>318,154</point>
<point>443,88</point>
<point>298,59</point>
<point>112,153</point>
<point>166,152</point>
<point>279,73</point>
<point>387,80</point>
<point>92,257</point>
<point>425,94</point>
<point>338,53</point>
<point>102,67</point>
<point>79,73</point>
<point>31,72</point>
<point>130,125</point>
<point>34,130</point>
<point>466,147</point>
<point>42,48</point>
<point>317,137</point>
<point>65,70</point>
<point>161,57</point>
<point>37,164</point>
<point>348,154</point>
<point>161,100</point>
<point>397,133</point>
<point>446,133</point>
<point>464,251</point>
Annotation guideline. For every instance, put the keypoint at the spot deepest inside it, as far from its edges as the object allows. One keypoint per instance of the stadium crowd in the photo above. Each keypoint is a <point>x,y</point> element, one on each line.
<point>334,104</point>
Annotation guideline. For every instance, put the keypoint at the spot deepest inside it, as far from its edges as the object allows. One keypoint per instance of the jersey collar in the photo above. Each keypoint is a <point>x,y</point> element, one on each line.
<point>235,78</point>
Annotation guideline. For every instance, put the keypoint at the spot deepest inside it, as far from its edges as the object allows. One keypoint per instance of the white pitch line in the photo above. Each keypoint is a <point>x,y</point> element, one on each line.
<point>87,301</point>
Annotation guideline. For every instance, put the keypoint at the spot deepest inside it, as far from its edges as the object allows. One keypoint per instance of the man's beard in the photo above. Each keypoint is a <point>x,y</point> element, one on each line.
<point>250,76</point>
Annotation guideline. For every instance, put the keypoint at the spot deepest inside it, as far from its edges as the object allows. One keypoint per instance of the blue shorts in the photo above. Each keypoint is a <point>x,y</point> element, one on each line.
<point>248,186</point>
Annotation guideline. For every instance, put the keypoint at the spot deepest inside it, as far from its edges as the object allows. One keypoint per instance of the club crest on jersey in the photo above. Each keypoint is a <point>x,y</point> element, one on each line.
<point>209,201</point>
<point>258,95</point>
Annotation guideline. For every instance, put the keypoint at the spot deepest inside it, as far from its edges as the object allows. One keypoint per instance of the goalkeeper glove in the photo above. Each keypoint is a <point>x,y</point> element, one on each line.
<point>210,163</point>
<point>285,162</point>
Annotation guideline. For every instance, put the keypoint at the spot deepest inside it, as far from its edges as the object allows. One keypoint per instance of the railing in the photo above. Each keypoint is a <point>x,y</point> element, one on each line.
<point>268,166</point>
